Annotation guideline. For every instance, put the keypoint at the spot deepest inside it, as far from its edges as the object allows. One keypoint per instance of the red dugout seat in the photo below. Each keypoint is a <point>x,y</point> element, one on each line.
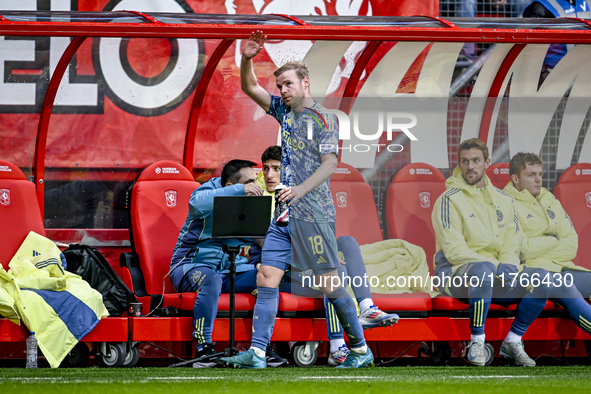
<point>19,215</point>
<point>574,192</point>
<point>19,210</point>
<point>499,175</point>
<point>409,203</point>
<point>357,215</point>
<point>442,302</point>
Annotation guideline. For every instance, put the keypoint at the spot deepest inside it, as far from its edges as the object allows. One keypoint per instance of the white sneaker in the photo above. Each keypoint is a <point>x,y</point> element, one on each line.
<point>517,352</point>
<point>374,317</point>
<point>337,358</point>
<point>475,353</point>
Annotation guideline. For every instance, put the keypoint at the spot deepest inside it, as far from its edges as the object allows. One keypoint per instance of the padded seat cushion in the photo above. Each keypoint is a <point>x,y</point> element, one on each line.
<point>445,303</point>
<point>412,302</point>
<point>409,203</point>
<point>186,301</point>
<point>292,303</point>
<point>357,215</point>
<point>159,206</point>
<point>19,210</point>
<point>498,174</point>
<point>574,192</point>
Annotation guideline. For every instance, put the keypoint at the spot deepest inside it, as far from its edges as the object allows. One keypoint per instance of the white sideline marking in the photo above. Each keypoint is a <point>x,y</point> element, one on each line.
<point>489,377</point>
<point>173,378</point>
<point>185,378</point>
<point>338,377</point>
<point>108,381</point>
<point>444,377</point>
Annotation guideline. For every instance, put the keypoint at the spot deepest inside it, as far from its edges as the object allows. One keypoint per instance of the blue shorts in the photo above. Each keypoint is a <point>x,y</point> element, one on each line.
<point>277,247</point>
<point>310,246</point>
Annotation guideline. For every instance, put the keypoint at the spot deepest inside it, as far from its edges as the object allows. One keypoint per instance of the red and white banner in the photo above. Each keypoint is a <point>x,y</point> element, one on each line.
<point>124,103</point>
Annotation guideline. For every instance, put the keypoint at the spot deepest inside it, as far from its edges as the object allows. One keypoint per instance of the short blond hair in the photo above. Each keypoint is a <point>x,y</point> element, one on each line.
<point>518,162</point>
<point>300,69</point>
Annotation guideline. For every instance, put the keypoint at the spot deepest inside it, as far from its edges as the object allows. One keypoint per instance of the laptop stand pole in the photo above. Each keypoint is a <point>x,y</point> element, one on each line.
<point>232,252</point>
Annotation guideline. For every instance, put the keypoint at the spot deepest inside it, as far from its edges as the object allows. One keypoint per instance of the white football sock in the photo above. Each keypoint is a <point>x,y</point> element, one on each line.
<point>335,344</point>
<point>512,337</point>
<point>259,352</point>
<point>364,304</point>
<point>361,349</point>
<point>475,337</point>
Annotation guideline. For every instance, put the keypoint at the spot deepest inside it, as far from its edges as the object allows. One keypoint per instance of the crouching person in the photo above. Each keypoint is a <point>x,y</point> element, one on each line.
<point>203,267</point>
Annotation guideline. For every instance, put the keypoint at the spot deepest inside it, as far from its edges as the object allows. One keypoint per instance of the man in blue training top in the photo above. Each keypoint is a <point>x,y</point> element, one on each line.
<point>309,241</point>
<point>203,267</point>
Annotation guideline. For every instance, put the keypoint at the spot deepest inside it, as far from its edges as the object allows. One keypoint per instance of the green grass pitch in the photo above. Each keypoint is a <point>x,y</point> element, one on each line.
<point>323,380</point>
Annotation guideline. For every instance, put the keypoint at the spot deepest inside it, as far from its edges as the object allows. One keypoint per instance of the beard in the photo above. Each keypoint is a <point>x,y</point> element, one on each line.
<point>476,181</point>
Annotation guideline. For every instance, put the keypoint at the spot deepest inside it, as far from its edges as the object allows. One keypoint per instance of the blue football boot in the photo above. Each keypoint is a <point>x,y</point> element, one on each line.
<point>358,360</point>
<point>247,359</point>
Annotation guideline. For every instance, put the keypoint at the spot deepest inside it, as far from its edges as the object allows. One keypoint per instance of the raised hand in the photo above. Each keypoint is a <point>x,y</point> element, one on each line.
<point>254,44</point>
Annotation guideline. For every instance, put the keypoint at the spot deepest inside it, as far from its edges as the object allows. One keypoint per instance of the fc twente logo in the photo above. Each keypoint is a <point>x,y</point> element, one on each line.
<point>425,198</point>
<point>588,199</point>
<point>171,198</point>
<point>5,197</point>
<point>341,199</point>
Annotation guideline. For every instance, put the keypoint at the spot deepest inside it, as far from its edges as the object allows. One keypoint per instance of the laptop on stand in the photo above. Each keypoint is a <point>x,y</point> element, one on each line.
<point>239,217</point>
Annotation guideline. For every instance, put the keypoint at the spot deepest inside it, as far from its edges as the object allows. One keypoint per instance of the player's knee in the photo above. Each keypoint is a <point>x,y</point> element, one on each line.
<point>210,283</point>
<point>345,242</point>
<point>269,276</point>
<point>483,272</point>
<point>484,267</point>
<point>538,278</point>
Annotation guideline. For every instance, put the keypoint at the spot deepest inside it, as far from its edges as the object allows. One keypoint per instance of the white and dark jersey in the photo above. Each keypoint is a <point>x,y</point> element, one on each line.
<point>301,156</point>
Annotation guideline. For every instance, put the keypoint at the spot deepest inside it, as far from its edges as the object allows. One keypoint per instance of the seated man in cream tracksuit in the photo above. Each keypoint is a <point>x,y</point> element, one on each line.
<point>549,239</point>
<point>478,238</point>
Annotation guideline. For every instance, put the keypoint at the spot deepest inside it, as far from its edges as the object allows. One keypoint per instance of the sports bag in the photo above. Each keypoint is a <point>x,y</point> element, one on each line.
<point>92,266</point>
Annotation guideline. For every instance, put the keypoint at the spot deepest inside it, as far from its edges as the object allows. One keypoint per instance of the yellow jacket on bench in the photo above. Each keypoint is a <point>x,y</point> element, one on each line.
<point>475,224</point>
<point>57,305</point>
<point>549,239</point>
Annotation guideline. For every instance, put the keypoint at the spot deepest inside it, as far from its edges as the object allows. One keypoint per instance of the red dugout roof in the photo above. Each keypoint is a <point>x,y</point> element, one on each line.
<point>308,27</point>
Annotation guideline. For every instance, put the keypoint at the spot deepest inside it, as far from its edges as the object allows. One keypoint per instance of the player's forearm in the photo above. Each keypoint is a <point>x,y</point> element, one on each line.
<point>248,79</point>
<point>201,203</point>
<point>459,255</point>
<point>533,247</point>
<point>250,85</point>
<point>566,250</point>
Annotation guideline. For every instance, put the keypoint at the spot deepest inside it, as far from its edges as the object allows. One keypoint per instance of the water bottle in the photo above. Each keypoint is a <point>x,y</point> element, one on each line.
<point>32,350</point>
<point>281,208</point>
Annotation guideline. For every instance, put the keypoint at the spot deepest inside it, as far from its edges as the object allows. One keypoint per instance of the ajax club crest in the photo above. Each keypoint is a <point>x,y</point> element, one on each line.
<point>499,216</point>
